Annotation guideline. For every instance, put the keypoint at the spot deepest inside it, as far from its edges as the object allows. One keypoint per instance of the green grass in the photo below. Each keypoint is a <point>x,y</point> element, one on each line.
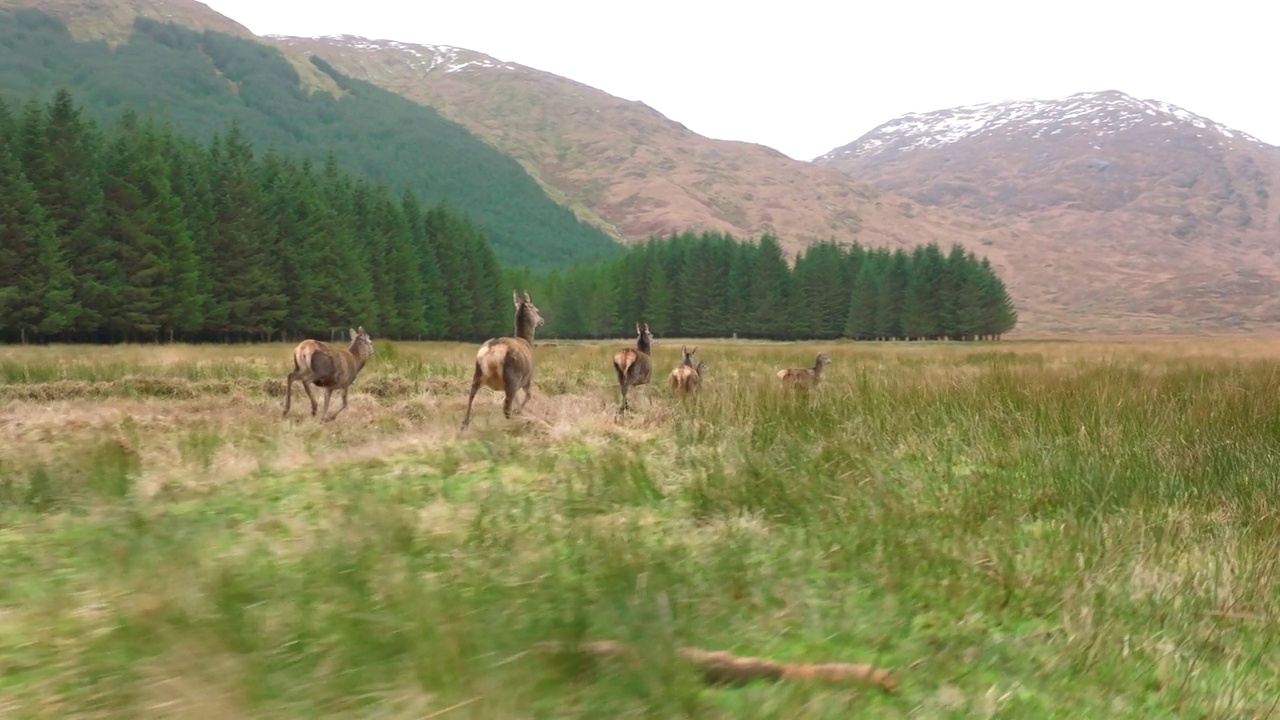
<point>1016,529</point>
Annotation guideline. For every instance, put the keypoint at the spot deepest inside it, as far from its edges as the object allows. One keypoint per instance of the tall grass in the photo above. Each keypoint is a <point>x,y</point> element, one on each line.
<point>1030,530</point>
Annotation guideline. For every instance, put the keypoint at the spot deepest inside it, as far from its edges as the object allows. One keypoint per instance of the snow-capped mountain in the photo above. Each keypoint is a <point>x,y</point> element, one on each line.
<point>1092,114</point>
<point>1117,201</point>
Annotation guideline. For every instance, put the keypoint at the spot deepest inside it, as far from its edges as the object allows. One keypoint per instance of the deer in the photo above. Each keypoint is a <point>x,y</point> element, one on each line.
<point>806,377</point>
<point>330,367</point>
<point>506,363</point>
<point>687,376</point>
<point>633,365</point>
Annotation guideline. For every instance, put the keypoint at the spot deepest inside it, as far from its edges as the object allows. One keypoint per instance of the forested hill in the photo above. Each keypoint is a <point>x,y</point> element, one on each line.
<point>202,81</point>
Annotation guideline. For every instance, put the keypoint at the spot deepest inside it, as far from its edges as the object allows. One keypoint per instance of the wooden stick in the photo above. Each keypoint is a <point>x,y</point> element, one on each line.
<point>721,667</point>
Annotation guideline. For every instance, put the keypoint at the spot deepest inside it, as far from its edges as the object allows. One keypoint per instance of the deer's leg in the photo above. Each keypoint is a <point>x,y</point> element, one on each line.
<point>307,386</point>
<point>344,404</point>
<point>328,393</point>
<point>622,388</point>
<point>288,393</point>
<point>511,386</point>
<point>528,391</point>
<point>475,388</point>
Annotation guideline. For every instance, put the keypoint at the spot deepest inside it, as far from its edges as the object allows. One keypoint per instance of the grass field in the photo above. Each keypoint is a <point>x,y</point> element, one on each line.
<point>1019,529</point>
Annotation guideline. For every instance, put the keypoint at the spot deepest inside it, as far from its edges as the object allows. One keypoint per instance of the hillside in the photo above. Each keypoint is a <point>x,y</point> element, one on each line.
<point>623,164</point>
<point>203,77</point>
<point>1129,214</point>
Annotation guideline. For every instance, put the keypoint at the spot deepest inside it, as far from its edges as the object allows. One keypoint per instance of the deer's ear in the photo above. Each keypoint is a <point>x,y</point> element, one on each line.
<point>695,350</point>
<point>353,332</point>
<point>515,298</point>
<point>526,297</point>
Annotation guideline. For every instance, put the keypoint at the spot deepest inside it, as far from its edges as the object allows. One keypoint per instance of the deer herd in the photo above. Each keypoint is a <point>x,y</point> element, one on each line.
<point>506,364</point>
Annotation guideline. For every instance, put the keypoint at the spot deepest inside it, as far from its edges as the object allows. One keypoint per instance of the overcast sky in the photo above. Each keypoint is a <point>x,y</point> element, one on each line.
<point>804,76</point>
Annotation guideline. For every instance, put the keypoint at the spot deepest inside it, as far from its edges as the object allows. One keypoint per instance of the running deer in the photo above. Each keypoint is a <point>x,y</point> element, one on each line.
<point>506,363</point>
<point>687,376</point>
<point>329,367</point>
<point>633,365</point>
<point>808,377</point>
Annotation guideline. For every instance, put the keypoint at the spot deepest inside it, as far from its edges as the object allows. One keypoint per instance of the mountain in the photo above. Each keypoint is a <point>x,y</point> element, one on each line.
<point>1101,212</point>
<point>179,61</point>
<point>1126,214</point>
<point>626,167</point>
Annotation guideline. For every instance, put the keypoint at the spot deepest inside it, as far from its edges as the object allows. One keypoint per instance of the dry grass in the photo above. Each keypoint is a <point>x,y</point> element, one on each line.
<point>1013,528</point>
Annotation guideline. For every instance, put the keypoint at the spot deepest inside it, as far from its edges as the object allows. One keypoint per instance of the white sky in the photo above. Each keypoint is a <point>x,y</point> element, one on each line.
<point>806,76</point>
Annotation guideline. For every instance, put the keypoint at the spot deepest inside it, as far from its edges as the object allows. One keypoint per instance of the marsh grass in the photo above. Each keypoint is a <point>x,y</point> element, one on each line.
<point>1038,529</point>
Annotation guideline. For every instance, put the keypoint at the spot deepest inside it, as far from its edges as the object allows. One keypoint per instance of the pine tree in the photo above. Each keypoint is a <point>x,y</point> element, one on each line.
<point>998,314</point>
<point>864,298</point>
<point>769,280</point>
<point>144,220</point>
<point>492,307</point>
<point>60,156</point>
<point>247,282</point>
<point>444,231</point>
<point>36,286</point>
<point>892,293</point>
<point>353,301</point>
<point>703,287</point>
<point>432,300</point>
<point>193,267</point>
<point>659,301</point>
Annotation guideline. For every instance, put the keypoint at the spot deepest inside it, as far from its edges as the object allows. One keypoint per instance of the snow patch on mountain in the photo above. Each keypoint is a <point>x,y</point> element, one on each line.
<point>427,58</point>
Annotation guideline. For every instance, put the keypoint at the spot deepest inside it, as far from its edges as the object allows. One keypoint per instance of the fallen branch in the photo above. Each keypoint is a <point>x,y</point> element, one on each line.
<point>721,667</point>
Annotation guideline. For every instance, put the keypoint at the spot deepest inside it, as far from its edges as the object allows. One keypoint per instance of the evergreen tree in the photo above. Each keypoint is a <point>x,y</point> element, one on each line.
<point>703,288</point>
<point>353,300</point>
<point>998,315</point>
<point>432,299</point>
<point>247,285</point>
<point>144,221</point>
<point>891,297</point>
<point>659,301</point>
<point>864,299</point>
<point>922,309</point>
<point>443,230</point>
<point>769,280</point>
<point>36,286</point>
<point>60,156</point>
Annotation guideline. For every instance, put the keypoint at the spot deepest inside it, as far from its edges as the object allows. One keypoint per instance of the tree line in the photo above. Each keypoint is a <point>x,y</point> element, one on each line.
<point>135,233</point>
<point>710,285</point>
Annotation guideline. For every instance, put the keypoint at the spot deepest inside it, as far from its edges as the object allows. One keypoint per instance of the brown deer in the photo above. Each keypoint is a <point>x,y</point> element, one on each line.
<point>329,367</point>
<point>686,377</point>
<point>806,377</point>
<point>506,363</point>
<point>633,365</point>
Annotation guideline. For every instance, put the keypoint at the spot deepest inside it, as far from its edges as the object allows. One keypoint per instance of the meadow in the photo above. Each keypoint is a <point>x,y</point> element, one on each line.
<point>1013,529</point>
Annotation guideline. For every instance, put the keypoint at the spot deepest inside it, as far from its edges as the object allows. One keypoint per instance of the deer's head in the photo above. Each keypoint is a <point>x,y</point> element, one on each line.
<point>361,343</point>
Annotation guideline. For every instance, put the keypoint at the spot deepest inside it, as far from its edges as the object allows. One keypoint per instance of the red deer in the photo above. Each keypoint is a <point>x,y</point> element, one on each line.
<point>633,365</point>
<point>686,378</point>
<point>506,363</point>
<point>807,377</point>
<point>329,367</point>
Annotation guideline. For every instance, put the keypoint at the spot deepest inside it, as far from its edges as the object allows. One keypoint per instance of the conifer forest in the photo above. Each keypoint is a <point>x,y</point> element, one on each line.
<point>135,232</point>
